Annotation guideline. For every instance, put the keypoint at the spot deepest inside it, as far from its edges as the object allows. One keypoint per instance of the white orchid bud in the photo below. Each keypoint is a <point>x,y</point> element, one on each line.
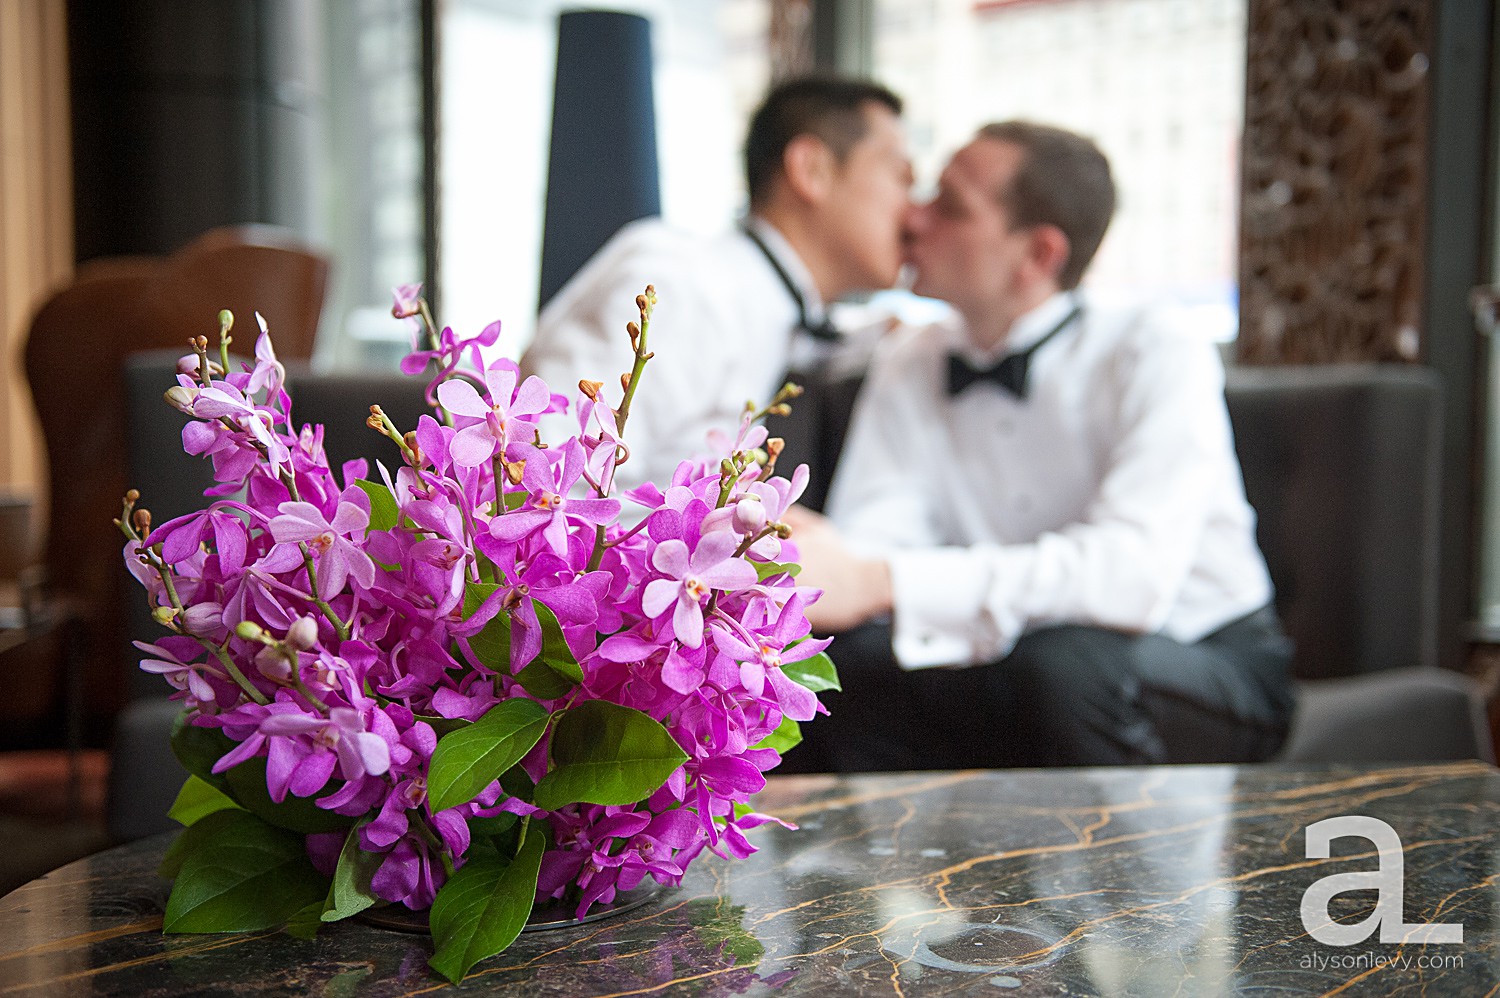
<point>749,515</point>
<point>181,398</point>
<point>303,634</point>
<point>273,665</point>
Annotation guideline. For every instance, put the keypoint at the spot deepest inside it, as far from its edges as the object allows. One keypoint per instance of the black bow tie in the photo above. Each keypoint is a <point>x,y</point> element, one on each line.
<point>1009,372</point>
<point>824,330</point>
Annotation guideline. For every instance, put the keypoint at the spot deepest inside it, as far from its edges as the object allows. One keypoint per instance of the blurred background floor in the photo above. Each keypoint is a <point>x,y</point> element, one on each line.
<point>37,831</point>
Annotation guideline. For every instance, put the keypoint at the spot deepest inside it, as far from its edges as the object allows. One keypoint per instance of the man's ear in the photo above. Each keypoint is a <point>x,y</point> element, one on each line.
<point>809,168</point>
<point>1050,249</point>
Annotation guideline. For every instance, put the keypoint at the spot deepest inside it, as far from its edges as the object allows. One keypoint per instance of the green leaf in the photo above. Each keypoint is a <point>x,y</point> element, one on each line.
<point>191,839</point>
<point>555,651</point>
<point>350,892</point>
<point>492,644</point>
<point>384,513</point>
<point>245,876</point>
<point>304,923</point>
<point>542,682</point>
<point>765,569</point>
<point>517,499</point>
<point>198,749</point>
<point>607,754</point>
<point>788,735</point>
<point>816,673</point>
<point>482,908</point>
<point>196,800</point>
<point>516,782</point>
<point>470,759</point>
<point>487,828</point>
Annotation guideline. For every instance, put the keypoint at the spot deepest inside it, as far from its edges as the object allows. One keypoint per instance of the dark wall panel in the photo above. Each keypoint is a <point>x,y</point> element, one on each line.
<point>188,115</point>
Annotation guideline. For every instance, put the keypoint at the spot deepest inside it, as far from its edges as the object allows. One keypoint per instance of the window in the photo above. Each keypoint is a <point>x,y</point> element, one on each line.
<point>1157,83</point>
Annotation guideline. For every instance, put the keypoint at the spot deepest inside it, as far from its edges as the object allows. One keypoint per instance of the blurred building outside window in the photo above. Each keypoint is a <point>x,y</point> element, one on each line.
<point>371,177</point>
<point>1158,84</point>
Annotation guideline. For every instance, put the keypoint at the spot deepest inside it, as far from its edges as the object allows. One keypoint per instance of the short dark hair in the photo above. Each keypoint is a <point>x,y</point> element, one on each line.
<point>1063,180</point>
<point>829,107</point>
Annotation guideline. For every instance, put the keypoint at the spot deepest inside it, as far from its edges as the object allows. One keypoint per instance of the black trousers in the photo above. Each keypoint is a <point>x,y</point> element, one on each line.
<point>1068,695</point>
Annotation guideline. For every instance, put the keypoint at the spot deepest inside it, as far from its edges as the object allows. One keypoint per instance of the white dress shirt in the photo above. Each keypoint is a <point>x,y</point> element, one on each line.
<point>1110,496</point>
<point>722,332</point>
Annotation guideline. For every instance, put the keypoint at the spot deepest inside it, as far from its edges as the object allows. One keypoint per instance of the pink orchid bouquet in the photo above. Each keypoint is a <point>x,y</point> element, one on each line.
<point>474,684</point>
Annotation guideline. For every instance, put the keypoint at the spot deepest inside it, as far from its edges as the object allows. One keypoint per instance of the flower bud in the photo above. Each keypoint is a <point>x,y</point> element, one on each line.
<point>514,471</point>
<point>273,665</point>
<point>749,515</point>
<point>303,634</point>
<point>181,398</point>
<point>590,389</point>
<point>250,631</point>
<point>625,381</point>
<point>141,520</point>
<point>166,616</point>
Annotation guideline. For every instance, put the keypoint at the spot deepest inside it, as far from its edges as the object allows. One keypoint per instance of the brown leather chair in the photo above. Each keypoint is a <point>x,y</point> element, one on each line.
<point>74,359</point>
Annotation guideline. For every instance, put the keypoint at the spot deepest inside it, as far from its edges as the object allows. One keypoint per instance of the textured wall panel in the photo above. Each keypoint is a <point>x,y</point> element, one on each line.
<point>1334,180</point>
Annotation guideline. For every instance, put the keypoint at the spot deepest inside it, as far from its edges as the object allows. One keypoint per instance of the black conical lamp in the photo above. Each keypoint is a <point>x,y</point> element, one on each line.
<point>602,167</point>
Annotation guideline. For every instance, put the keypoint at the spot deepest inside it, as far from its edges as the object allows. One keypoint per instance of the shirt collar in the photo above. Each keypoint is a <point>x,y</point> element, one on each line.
<point>785,255</point>
<point>1026,330</point>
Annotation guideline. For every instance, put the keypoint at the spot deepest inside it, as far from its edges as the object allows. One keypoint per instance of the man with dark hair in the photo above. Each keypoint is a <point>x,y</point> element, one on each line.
<point>1043,488</point>
<point>829,179</point>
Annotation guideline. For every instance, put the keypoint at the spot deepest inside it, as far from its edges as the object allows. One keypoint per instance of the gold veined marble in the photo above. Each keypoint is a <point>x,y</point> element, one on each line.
<point>1174,880</point>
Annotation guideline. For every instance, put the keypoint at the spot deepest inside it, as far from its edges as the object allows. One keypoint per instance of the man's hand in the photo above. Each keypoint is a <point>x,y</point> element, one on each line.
<point>854,589</point>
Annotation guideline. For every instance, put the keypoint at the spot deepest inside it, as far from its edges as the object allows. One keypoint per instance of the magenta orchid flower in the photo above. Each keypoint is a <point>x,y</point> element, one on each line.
<point>336,556</point>
<point>508,416</point>
<point>549,507</point>
<point>781,643</point>
<point>313,745</point>
<point>691,578</point>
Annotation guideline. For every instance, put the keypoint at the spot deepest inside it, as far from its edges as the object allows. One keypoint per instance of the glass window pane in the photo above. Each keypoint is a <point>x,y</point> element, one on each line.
<point>1159,84</point>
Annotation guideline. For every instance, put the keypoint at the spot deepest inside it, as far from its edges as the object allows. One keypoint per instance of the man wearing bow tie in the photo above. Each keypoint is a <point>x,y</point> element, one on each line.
<point>1043,489</point>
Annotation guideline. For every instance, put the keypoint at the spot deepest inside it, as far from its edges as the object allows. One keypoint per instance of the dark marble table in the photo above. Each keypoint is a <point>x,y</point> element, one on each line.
<point>1168,881</point>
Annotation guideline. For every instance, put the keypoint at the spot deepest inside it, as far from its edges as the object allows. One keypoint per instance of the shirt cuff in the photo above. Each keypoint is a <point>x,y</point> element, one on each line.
<point>937,600</point>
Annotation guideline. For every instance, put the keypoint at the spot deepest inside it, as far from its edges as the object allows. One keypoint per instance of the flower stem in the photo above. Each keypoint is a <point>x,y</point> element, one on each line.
<point>226,323</point>
<point>222,655</point>
<point>318,600</point>
<point>644,303</point>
